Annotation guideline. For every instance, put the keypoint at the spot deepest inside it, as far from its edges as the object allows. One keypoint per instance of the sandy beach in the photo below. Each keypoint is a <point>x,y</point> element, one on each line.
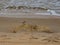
<point>25,38</point>
<point>29,22</point>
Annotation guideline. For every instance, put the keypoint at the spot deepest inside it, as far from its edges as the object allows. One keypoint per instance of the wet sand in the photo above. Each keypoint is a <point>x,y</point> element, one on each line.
<point>25,38</point>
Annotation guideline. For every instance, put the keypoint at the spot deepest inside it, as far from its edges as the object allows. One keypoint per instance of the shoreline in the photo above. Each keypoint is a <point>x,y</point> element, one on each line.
<point>28,15</point>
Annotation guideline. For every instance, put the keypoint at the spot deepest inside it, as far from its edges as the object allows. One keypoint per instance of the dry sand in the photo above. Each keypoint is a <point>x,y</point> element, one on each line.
<point>25,38</point>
